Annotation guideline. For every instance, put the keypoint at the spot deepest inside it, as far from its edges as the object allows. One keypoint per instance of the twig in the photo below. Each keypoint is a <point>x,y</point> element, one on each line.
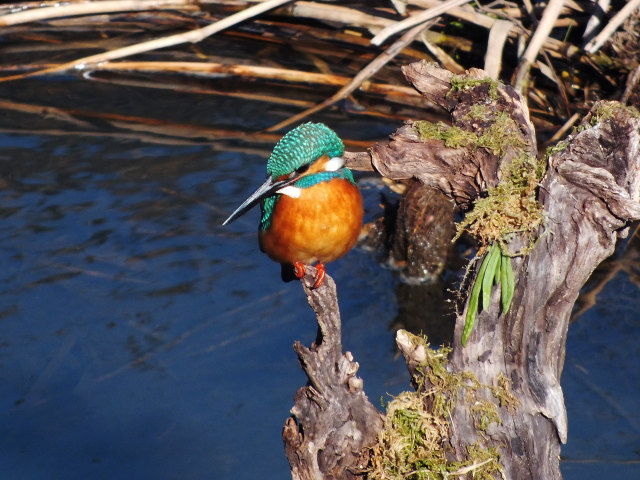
<point>415,20</point>
<point>470,468</point>
<point>465,13</point>
<point>340,14</point>
<point>567,125</point>
<point>88,8</point>
<point>379,62</point>
<point>545,26</point>
<point>192,36</point>
<point>213,69</point>
<point>495,45</point>
<point>600,7</point>
<point>594,45</point>
<point>632,81</point>
<point>443,57</point>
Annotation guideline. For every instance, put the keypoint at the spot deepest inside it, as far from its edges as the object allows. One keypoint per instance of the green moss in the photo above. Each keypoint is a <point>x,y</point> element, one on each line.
<point>486,462</point>
<point>465,82</point>
<point>500,136</point>
<point>411,441</point>
<point>502,391</point>
<point>606,110</point>
<point>508,209</point>
<point>414,442</point>
<point>484,414</point>
<point>553,149</point>
<point>453,137</point>
<point>479,111</point>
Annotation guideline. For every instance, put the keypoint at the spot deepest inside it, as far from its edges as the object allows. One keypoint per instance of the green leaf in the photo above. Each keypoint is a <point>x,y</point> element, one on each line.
<point>472,309</point>
<point>492,260</point>
<point>508,284</point>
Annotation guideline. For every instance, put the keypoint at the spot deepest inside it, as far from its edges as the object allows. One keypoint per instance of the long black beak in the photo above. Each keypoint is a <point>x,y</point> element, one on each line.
<point>267,189</point>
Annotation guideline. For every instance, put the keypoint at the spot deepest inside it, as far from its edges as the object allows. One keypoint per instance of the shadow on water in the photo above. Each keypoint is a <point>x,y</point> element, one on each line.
<point>139,339</point>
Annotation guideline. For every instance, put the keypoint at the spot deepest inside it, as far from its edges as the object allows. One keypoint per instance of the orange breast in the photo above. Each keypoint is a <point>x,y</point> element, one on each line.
<point>319,226</point>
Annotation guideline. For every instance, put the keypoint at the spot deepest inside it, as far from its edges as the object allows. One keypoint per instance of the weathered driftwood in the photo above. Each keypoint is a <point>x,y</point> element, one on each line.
<point>589,194</point>
<point>332,420</point>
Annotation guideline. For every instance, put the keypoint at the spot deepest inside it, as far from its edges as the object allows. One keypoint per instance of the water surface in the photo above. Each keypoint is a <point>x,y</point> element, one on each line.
<point>140,339</point>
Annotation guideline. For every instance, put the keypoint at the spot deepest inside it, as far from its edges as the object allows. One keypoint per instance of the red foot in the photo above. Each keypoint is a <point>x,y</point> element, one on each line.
<point>319,275</point>
<point>298,269</point>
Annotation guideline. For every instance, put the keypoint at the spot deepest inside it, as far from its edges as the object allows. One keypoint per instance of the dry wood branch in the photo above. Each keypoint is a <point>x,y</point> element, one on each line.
<point>338,14</point>
<point>545,26</point>
<point>332,419</point>
<point>498,35</point>
<point>216,70</point>
<point>363,75</point>
<point>617,20</point>
<point>192,36</point>
<point>601,7</point>
<point>416,19</point>
<point>89,8</point>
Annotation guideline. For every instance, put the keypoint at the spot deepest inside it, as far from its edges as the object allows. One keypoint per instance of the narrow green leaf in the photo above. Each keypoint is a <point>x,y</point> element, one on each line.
<point>472,308</point>
<point>496,279</point>
<point>508,284</point>
<point>492,260</point>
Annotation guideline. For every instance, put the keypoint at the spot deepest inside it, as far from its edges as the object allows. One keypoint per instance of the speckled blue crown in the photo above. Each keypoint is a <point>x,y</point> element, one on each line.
<point>303,145</point>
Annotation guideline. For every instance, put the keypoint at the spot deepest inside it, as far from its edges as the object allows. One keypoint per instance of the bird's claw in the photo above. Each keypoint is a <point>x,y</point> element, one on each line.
<point>299,271</point>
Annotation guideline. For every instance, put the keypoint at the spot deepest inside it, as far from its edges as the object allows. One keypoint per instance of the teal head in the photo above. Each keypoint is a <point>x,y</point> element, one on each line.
<point>289,165</point>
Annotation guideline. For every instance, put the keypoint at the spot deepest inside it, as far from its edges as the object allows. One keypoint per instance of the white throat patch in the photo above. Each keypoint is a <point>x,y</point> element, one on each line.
<point>334,164</point>
<point>290,191</point>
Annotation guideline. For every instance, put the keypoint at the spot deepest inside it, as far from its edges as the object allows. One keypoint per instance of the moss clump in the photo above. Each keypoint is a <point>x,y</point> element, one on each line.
<point>500,136</point>
<point>411,442</point>
<point>606,110</point>
<point>414,441</point>
<point>503,393</point>
<point>443,385</point>
<point>464,82</point>
<point>484,414</point>
<point>453,137</point>
<point>553,149</point>
<point>508,209</point>
<point>479,111</point>
<point>511,207</point>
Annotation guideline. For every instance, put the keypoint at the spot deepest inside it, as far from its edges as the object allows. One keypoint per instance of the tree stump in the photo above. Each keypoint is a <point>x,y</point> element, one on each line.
<point>589,195</point>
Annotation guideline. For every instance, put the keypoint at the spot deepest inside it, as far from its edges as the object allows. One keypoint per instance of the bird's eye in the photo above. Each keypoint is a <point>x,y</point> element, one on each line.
<point>300,170</point>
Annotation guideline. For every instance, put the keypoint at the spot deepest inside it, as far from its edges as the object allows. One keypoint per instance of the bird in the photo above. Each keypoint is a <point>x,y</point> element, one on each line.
<point>311,207</point>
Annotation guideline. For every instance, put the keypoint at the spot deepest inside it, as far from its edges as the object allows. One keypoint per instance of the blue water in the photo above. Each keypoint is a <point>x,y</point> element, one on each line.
<point>140,339</point>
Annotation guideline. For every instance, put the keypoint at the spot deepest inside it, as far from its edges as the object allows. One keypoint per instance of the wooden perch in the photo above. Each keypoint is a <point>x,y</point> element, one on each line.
<point>589,195</point>
<point>332,420</point>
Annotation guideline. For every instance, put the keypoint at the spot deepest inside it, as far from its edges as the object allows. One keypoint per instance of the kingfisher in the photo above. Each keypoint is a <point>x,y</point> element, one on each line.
<point>311,208</point>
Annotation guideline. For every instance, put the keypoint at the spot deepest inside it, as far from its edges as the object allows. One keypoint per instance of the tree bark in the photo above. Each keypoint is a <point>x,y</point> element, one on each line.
<point>589,195</point>
<point>332,419</point>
